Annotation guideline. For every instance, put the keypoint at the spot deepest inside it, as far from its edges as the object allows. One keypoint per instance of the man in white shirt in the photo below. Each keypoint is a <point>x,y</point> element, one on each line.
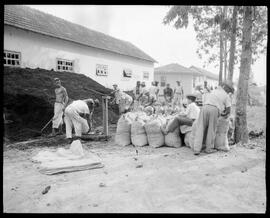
<point>123,100</point>
<point>185,119</point>
<point>215,104</point>
<point>153,90</point>
<point>178,94</point>
<point>79,115</point>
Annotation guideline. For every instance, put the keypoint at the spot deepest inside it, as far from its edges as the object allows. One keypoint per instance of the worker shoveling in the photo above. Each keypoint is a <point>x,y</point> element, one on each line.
<point>67,160</point>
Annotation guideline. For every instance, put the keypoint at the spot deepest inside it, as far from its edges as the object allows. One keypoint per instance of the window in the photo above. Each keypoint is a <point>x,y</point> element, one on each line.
<point>64,65</point>
<point>127,73</point>
<point>146,75</point>
<point>101,70</point>
<point>194,81</point>
<point>12,58</point>
<point>163,81</point>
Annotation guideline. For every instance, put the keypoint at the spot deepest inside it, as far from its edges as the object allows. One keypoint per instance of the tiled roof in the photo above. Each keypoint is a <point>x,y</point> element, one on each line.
<point>175,68</point>
<point>205,72</point>
<point>34,20</point>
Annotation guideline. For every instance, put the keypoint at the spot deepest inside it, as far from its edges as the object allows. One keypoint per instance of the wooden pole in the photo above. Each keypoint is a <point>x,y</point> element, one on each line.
<point>105,115</point>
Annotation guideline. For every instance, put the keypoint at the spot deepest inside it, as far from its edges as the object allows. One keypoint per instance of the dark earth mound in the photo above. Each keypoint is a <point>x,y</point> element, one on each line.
<point>29,98</point>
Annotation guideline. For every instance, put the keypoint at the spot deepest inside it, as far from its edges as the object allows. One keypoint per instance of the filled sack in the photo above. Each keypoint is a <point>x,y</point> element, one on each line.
<point>172,139</point>
<point>191,136</point>
<point>154,134</point>
<point>138,134</point>
<point>187,138</point>
<point>123,131</point>
<point>221,139</point>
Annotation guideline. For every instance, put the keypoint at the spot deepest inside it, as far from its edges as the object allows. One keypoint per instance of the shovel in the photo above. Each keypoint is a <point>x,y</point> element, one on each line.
<point>46,125</point>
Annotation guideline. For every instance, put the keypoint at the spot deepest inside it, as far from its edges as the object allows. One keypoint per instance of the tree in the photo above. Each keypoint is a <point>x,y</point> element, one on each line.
<point>207,21</point>
<point>241,132</point>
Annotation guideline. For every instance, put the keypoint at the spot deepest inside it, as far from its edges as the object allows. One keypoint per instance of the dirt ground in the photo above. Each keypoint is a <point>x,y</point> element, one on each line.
<point>162,180</point>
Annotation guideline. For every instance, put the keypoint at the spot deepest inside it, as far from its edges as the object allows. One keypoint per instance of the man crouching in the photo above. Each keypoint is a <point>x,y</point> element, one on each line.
<point>79,115</point>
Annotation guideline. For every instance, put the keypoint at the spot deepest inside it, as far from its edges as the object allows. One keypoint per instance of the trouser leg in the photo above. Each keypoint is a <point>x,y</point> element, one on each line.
<point>199,135</point>
<point>177,122</point>
<point>58,114</point>
<point>80,125</point>
<point>212,127</point>
<point>69,125</point>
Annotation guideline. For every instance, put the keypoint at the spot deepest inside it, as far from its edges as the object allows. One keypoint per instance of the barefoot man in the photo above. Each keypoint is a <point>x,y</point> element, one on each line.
<point>61,100</point>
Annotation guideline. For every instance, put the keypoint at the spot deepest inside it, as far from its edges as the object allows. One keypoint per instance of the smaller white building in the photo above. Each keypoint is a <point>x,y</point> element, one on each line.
<point>210,78</point>
<point>171,73</point>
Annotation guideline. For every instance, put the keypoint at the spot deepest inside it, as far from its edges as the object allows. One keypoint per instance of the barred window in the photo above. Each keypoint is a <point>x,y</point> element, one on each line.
<point>65,65</point>
<point>127,73</point>
<point>146,75</point>
<point>163,81</point>
<point>101,70</point>
<point>12,58</point>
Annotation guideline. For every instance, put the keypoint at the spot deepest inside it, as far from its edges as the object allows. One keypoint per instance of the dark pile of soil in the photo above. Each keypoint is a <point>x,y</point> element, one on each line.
<point>29,98</point>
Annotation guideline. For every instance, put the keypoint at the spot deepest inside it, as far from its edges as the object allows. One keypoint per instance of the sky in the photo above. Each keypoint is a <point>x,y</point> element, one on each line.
<point>143,27</point>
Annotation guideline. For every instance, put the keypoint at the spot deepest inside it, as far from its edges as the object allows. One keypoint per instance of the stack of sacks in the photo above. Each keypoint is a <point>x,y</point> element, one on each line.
<point>172,139</point>
<point>221,140</point>
<point>123,129</point>
<point>138,133</point>
<point>154,134</point>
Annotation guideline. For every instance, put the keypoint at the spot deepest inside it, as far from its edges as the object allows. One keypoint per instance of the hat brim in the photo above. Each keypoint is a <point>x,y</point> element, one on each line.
<point>193,97</point>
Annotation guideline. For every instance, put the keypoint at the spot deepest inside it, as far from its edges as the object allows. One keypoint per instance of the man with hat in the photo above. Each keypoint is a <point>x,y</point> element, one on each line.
<point>61,100</point>
<point>168,94</point>
<point>185,119</point>
<point>123,100</point>
<point>217,103</point>
<point>178,94</point>
<point>78,115</point>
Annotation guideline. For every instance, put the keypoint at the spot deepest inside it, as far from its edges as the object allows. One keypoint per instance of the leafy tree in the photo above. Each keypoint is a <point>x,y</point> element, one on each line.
<point>241,131</point>
<point>210,22</point>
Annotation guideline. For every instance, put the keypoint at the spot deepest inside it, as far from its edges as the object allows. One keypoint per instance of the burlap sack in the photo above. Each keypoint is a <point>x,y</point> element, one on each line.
<point>221,139</point>
<point>173,139</point>
<point>187,139</point>
<point>191,136</point>
<point>122,136</point>
<point>154,134</point>
<point>138,134</point>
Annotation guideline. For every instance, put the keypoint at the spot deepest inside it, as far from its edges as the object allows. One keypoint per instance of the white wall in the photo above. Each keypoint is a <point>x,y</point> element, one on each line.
<point>41,51</point>
<point>171,78</point>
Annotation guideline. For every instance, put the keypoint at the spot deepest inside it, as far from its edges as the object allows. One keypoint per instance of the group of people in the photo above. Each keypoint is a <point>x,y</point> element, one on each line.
<point>77,114</point>
<point>214,103</point>
<point>205,105</point>
<point>147,96</point>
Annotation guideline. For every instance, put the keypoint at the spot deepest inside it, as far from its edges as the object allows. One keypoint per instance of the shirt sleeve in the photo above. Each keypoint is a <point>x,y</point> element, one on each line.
<point>193,113</point>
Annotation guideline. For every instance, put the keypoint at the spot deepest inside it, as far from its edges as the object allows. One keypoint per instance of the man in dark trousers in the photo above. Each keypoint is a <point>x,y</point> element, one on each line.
<point>168,94</point>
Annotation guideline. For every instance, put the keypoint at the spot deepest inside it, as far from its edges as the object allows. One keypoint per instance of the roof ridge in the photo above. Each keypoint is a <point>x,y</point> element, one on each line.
<point>87,28</point>
<point>71,31</point>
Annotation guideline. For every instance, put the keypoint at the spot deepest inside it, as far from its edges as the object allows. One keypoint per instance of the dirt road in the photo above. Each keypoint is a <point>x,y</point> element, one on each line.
<point>163,180</point>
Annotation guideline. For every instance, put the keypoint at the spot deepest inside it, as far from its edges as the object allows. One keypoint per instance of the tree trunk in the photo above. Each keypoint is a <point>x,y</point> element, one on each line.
<point>241,131</point>
<point>225,46</point>
<point>221,48</point>
<point>225,59</point>
<point>232,46</point>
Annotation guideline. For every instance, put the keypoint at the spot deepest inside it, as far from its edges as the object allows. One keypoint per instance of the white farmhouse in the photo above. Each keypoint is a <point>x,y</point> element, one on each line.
<point>171,73</point>
<point>211,78</point>
<point>35,39</point>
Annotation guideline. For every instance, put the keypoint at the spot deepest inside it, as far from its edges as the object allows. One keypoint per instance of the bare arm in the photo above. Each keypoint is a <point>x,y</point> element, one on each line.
<point>65,97</point>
